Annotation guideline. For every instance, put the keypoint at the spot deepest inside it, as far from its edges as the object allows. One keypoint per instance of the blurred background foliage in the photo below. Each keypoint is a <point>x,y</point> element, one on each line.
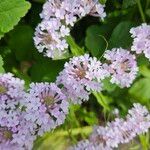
<point>19,56</point>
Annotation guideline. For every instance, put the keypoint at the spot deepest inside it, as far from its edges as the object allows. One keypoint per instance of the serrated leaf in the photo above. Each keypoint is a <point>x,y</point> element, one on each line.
<point>11,12</point>
<point>1,65</point>
<point>121,36</point>
<point>128,3</point>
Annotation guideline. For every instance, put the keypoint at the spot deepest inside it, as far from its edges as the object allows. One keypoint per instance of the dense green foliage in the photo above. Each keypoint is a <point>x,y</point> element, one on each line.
<point>19,56</point>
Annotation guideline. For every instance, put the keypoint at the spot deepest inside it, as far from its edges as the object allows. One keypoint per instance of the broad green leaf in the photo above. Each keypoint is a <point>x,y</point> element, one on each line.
<point>96,39</point>
<point>11,12</point>
<point>141,90</point>
<point>21,42</point>
<point>46,70</point>
<point>121,36</point>
<point>128,3</point>
<point>1,65</point>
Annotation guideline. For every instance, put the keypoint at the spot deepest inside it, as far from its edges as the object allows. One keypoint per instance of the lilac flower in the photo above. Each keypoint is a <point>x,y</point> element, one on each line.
<point>119,131</point>
<point>48,38</point>
<point>87,145</point>
<point>122,66</point>
<point>141,42</point>
<point>57,18</point>
<point>46,106</point>
<point>12,122</point>
<point>80,76</point>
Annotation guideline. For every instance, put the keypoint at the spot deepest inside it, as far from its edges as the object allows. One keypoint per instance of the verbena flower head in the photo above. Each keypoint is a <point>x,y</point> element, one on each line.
<point>120,131</point>
<point>88,145</point>
<point>141,42</point>
<point>122,66</point>
<point>49,38</point>
<point>58,16</point>
<point>13,134</point>
<point>80,76</point>
<point>47,106</point>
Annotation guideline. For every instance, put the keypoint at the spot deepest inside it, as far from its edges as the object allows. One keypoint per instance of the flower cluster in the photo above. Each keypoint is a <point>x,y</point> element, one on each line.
<point>13,132</point>
<point>80,76</point>
<point>25,115</point>
<point>47,106</point>
<point>141,43</point>
<point>58,16</point>
<point>118,131</point>
<point>122,66</point>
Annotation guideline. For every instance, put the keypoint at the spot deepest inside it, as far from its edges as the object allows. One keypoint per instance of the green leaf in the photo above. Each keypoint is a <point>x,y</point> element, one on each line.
<point>121,36</point>
<point>21,42</point>
<point>103,100</point>
<point>128,3</point>
<point>11,12</point>
<point>46,70</point>
<point>1,34</point>
<point>148,12</point>
<point>96,38</point>
<point>145,71</point>
<point>140,90</point>
<point>75,49</point>
<point>1,65</point>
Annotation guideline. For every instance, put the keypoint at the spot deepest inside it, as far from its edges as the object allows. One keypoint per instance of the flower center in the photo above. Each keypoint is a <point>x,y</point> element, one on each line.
<point>47,38</point>
<point>49,100</point>
<point>5,133</point>
<point>2,89</point>
<point>124,66</point>
<point>80,73</point>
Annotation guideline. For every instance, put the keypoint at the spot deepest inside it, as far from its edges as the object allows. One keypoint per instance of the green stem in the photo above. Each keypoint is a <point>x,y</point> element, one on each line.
<point>144,140</point>
<point>101,101</point>
<point>147,4</point>
<point>141,10</point>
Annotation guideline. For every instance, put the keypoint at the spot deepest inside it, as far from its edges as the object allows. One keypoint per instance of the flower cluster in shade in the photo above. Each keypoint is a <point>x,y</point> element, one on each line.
<point>25,115</point>
<point>58,16</point>
<point>141,42</point>
<point>117,132</point>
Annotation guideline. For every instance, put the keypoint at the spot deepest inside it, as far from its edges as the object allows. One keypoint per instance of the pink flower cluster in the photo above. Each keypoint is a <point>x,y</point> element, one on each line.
<point>118,131</point>
<point>58,16</point>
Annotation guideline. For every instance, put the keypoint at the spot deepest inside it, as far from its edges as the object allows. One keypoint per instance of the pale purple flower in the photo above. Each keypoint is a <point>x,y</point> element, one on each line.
<point>58,16</point>
<point>122,66</point>
<point>119,131</point>
<point>48,38</point>
<point>80,76</point>
<point>12,119</point>
<point>88,145</point>
<point>46,106</point>
<point>141,42</point>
